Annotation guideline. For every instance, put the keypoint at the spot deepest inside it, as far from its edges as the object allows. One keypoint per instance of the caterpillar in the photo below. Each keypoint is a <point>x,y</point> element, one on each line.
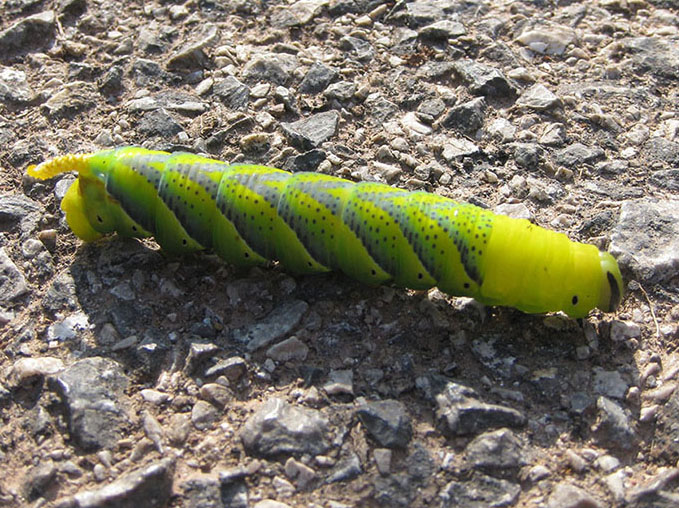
<point>310,223</point>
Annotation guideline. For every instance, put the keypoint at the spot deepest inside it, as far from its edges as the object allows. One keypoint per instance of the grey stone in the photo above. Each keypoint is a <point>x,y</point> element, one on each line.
<point>480,491</point>
<point>528,155</point>
<point>202,492</point>
<point>347,468</point>
<point>14,88</point>
<point>646,239</point>
<point>483,79</point>
<point>429,110</point>
<point>566,495</point>
<point>25,370</point>
<point>278,428</point>
<point>538,98</point>
<point>281,321</point>
<point>150,486</point>
<point>233,368</point>
<point>150,42</point>
<point>12,281</point>
<point>609,383</point>
<point>147,72</point>
<point>496,450</point>
<point>554,134</point>
<point>433,70</point>
<point>232,92</point>
<point>467,117</point>
<point>198,352</point>
<point>360,49</point>
<point>93,391</point>
<point>303,475</point>
<point>613,429</point>
<point>463,414</point>
<point>159,123</point>
<point>580,402</point>
<point>458,148</point>
<point>228,491</point>
<point>387,422</point>
<point>291,349</point>
<point>341,91</point>
<point>443,29</point>
<point>382,458</point>
<point>217,393</point>
<point>68,328</point>
<point>613,167</point>
<point>204,415</point>
<point>422,13</point>
<point>274,68</point>
<point>548,39</point>
<point>191,55</point>
<point>656,55</point>
<point>380,108</point>
<point>234,493</point>
<point>297,14</point>
<point>420,464</point>
<point>662,150</point>
<point>666,179</point>
<point>60,294</point>
<point>317,78</point>
<point>30,33</point>
<point>485,351</point>
<point>339,382</point>
<point>396,490</point>
<point>112,81</point>
<point>18,210</point>
<point>310,132</point>
<point>577,154</point>
<point>661,491</point>
<point>308,161</point>
<point>72,98</point>
<point>39,479</point>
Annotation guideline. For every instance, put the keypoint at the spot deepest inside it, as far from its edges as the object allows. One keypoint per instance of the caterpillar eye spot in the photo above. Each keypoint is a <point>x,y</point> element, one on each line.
<point>574,301</point>
<point>184,242</point>
<point>99,219</point>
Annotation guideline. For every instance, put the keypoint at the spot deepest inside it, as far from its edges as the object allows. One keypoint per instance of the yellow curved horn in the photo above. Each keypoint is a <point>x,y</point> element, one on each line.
<point>54,167</point>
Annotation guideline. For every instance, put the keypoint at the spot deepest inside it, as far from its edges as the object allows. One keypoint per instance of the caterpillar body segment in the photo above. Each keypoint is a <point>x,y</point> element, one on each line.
<point>312,223</point>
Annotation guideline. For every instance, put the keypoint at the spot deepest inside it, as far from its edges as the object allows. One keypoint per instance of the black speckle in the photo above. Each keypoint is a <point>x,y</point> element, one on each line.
<point>574,301</point>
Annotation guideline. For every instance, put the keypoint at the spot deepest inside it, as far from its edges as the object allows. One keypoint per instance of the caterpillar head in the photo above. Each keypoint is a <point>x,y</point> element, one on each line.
<point>597,285</point>
<point>611,287</point>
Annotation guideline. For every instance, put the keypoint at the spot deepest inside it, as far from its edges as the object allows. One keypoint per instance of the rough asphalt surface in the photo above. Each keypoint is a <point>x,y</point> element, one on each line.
<point>132,379</point>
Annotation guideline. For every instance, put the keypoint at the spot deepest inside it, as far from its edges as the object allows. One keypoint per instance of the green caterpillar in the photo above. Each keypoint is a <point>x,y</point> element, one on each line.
<point>313,223</point>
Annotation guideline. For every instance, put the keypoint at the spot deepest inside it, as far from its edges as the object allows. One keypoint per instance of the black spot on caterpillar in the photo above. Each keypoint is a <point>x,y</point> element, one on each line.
<point>314,223</point>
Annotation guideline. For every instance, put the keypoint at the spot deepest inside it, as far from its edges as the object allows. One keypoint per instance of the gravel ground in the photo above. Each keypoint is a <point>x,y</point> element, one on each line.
<point>133,379</point>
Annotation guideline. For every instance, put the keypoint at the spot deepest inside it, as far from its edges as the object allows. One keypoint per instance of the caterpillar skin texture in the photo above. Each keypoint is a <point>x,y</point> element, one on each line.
<point>313,223</point>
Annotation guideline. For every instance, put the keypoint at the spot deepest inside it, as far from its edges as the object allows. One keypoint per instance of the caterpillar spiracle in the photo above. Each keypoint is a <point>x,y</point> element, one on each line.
<point>310,222</point>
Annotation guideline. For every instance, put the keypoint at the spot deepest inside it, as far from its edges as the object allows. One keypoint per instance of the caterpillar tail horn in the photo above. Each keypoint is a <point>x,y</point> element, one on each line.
<point>63,164</point>
<point>72,204</point>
